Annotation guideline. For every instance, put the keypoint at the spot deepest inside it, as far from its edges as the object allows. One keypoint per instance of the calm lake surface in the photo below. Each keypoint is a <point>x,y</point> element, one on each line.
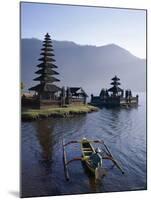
<point>123,130</point>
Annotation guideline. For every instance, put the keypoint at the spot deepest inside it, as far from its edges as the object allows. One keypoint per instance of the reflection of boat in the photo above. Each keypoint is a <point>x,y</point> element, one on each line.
<point>93,158</point>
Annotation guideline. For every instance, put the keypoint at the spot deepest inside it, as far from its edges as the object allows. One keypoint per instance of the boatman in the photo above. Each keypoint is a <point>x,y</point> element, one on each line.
<point>96,158</point>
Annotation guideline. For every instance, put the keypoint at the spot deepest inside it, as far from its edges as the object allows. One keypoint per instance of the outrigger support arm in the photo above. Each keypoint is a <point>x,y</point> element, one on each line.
<point>75,141</point>
<point>65,158</point>
<point>117,165</point>
<point>74,159</point>
<point>71,142</point>
<point>98,141</point>
<point>65,161</point>
<point>110,157</point>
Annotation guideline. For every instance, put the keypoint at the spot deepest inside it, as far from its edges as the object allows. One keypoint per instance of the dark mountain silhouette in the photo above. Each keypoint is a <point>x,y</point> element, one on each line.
<point>88,66</point>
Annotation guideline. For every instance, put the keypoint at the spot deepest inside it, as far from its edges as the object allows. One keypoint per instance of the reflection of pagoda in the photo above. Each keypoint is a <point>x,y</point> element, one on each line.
<point>114,96</point>
<point>45,138</point>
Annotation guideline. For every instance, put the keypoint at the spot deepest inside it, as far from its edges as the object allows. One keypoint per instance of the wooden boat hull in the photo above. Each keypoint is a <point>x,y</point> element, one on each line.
<point>92,158</point>
<point>87,149</point>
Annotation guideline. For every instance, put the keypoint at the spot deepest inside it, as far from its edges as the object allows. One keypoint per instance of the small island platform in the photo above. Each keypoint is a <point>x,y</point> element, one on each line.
<point>33,114</point>
<point>114,96</point>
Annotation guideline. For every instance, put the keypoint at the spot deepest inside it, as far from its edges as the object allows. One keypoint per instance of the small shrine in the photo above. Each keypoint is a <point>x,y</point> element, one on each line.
<point>114,96</point>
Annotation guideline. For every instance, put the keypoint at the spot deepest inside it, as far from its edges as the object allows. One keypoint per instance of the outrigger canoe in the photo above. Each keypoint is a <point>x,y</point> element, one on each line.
<point>93,158</point>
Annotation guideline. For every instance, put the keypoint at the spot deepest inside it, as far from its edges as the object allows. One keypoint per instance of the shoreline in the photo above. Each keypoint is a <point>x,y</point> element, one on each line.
<point>59,112</point>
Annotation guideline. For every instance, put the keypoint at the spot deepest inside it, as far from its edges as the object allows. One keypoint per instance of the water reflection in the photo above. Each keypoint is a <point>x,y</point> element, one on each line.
<point>114,118</point>
<point>71,127</point>
<point>124,131</point>
<point>95,186</point>
<point>44,133</point>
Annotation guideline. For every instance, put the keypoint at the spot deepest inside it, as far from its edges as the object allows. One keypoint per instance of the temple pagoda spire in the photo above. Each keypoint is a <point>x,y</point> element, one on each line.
<point>46,89</point>
<point>115,81</point>
<point>115,90</point>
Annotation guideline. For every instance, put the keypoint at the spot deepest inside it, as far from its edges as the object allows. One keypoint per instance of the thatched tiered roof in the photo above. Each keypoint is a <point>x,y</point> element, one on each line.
<point>46,71</point>
<point>115,82</point>
<point>45,87</point>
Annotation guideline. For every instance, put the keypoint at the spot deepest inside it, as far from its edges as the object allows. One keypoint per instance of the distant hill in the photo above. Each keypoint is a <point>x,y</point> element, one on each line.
<point>88,66</point>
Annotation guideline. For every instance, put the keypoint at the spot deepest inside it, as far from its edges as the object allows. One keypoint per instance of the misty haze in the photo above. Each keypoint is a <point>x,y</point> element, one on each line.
<point>88,66</point>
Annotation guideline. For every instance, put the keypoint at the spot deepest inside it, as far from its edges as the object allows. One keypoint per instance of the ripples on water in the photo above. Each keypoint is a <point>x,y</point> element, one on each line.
<point>123,130</point>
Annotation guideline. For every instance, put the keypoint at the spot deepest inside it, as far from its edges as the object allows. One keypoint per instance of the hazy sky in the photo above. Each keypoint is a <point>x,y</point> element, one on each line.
<point>86,25</point>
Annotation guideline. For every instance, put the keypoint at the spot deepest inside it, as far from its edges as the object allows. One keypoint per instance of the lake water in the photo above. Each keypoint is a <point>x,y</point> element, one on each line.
<point>123,130</point>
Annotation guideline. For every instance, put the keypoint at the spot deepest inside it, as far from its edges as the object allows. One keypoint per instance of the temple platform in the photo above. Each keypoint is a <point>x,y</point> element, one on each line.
<point>114,96</point>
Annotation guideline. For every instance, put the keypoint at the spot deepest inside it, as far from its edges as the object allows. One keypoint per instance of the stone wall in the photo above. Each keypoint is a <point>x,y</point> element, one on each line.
<point>33,103</point>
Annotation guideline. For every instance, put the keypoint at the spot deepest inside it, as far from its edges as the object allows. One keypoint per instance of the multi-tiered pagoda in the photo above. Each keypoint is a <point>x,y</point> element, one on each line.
<point>46,89</point>
<point>115,90</point>
<point>114,96</point>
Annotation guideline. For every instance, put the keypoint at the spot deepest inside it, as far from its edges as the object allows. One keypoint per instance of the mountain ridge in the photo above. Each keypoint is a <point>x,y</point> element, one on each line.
<point>113,45</point>
<point>98,63</point>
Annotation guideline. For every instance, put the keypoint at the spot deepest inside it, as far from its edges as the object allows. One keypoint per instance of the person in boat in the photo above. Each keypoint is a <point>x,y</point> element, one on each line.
<point>96,158</point>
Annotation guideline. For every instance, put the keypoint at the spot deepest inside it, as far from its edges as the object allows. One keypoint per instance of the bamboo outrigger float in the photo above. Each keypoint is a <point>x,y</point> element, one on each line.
<point>93,158</point>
